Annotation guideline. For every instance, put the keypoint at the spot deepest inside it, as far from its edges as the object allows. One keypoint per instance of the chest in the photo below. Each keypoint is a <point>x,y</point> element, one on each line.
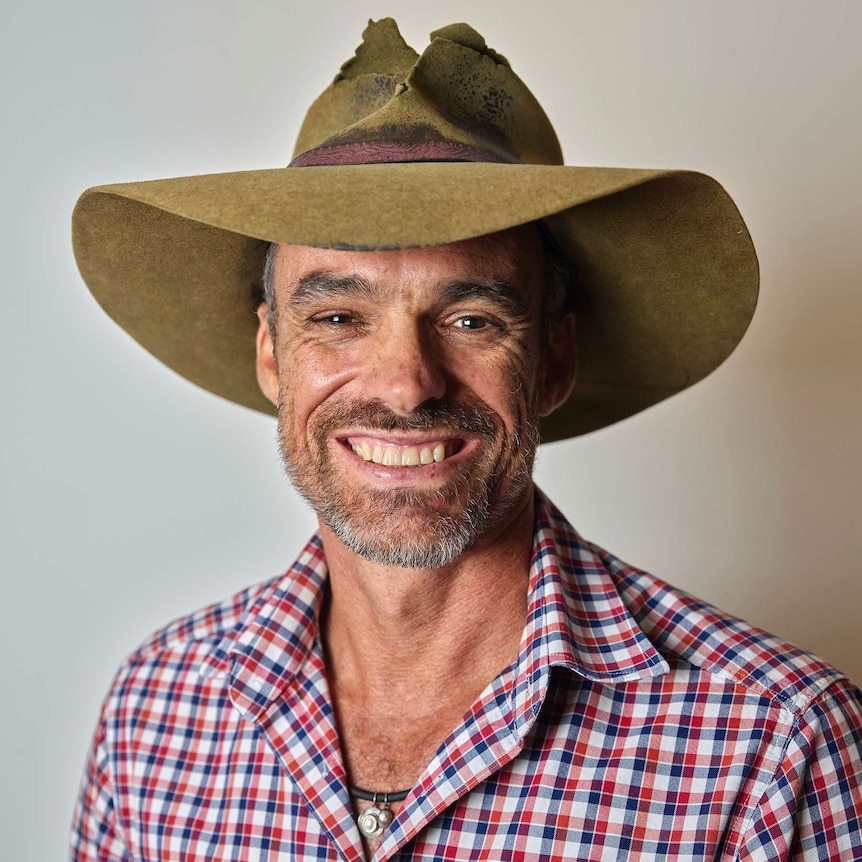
<point>390,752</point>
<point>593,777</point>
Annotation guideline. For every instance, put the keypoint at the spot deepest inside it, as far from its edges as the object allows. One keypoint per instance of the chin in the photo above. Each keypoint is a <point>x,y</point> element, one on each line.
<point>407,528</point>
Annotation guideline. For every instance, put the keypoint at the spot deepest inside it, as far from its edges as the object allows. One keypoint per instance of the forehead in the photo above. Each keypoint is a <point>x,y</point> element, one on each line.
<point>513,256</point>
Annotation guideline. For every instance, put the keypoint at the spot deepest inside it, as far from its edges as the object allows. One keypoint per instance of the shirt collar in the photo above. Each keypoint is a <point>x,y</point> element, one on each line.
<point>576,620</point>
<point>275,638</point>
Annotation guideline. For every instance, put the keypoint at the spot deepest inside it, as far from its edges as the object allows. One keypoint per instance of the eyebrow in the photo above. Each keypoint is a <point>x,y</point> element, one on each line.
<point>324,286</point>
<point>502,294</point>
<point>316,287</point>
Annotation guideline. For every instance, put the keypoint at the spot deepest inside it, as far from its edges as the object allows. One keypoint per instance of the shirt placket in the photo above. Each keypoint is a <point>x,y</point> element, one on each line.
<point>295,719</point>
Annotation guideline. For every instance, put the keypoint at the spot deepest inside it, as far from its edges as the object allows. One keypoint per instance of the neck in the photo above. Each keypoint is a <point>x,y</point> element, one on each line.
<point>409,651</point>
<point>429,624</point>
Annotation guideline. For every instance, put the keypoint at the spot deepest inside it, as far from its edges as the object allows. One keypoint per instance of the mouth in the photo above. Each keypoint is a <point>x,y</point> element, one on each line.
<point>390,453</point>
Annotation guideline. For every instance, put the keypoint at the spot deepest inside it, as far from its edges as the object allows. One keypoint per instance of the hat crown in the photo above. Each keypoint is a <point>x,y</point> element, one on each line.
<point>458,101</point>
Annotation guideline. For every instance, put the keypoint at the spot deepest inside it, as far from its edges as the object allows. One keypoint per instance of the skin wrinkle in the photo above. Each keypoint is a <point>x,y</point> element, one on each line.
<point>323,286</point>
<point>557,292</point>
<point>486,492</point>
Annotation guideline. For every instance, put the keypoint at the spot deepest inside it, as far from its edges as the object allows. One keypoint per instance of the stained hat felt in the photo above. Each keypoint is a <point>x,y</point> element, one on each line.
<point>403,150</point>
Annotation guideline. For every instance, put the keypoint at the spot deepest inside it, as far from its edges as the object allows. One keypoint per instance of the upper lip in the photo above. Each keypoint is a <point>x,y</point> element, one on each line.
<point>402,438</point>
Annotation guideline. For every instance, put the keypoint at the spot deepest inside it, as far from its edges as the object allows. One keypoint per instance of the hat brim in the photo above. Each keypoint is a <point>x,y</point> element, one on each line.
<point>666,274</point>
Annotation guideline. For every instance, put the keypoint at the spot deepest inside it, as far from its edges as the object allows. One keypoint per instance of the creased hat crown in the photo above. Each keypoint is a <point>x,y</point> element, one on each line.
<point>458,101</point>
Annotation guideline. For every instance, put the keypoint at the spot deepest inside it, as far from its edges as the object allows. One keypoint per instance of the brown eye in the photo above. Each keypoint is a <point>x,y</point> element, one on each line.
<point>471,322</point>
<point>336,319</point>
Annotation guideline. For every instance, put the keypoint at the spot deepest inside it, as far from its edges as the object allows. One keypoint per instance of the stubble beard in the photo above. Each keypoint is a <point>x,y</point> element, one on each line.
<point>443,522</point>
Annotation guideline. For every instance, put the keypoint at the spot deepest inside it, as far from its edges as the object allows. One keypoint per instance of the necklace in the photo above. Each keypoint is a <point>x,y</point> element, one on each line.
<point>378,816</point>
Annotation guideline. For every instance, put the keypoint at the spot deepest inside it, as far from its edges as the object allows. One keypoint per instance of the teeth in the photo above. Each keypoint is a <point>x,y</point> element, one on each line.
<point>410,458</point>
<point>393,457</point>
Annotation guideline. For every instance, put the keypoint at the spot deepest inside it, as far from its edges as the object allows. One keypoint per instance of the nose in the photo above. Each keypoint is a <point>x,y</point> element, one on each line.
<point>406,368</point>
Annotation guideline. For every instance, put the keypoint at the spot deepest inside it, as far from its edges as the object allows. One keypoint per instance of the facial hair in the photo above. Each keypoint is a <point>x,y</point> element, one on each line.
<point>445,521</point>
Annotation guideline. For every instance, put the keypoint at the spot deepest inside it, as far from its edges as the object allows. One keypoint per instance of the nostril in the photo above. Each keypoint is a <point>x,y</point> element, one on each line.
<point>407,385</point>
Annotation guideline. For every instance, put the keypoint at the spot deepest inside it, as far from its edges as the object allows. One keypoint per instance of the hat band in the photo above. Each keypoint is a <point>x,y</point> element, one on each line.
<point>380,152</point>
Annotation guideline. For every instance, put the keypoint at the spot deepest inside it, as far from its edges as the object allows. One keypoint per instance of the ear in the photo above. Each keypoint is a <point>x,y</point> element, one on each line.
<point>267,374</point>
<point>559,366</point>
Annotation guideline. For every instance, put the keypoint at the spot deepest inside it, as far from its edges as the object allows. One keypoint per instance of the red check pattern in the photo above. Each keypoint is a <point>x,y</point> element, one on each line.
<point>637,723</point>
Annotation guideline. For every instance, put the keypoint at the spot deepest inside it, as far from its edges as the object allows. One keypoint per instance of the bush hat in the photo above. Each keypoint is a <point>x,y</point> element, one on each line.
<point>403,150</point>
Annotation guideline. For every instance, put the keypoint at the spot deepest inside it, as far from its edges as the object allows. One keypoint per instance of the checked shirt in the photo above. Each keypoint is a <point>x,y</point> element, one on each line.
<point>636,724</point>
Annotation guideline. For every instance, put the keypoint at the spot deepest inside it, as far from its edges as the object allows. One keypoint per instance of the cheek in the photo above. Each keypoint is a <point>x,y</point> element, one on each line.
<point>516,381</point>
<point>507,389</point>
<point>308,377</point>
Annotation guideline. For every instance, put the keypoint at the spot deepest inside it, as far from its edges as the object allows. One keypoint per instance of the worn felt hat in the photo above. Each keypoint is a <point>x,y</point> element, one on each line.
<point>403,150</point>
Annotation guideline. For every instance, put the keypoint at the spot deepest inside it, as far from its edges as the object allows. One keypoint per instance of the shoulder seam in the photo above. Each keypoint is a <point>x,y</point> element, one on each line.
<point>210,623</point>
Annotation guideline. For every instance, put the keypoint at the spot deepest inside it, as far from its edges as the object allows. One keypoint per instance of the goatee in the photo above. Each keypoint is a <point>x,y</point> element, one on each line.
<point>443,522</point>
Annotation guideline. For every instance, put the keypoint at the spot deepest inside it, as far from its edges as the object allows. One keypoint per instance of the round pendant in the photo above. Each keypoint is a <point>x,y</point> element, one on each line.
<point>373,821</point>
<point>384,818</point>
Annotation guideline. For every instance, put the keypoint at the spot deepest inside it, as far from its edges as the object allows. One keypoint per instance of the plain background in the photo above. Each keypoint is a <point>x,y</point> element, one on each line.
<point>130,497</point>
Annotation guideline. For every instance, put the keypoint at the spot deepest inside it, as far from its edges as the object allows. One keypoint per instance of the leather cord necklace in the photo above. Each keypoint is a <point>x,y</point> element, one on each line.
<point>374,819</point>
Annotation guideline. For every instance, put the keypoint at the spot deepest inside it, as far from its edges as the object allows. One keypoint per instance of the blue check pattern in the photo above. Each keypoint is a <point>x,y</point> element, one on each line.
<point>637,723</point>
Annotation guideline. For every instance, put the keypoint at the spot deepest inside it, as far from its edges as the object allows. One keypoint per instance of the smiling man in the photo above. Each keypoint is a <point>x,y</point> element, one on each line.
<point>428,359</point>
<point>448,670</point>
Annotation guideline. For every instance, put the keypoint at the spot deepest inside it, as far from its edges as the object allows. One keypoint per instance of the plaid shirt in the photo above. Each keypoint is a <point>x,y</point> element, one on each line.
<point>636,723</point>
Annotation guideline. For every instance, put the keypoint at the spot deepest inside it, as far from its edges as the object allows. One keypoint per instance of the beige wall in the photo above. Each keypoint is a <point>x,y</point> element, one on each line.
<point>130,497</point>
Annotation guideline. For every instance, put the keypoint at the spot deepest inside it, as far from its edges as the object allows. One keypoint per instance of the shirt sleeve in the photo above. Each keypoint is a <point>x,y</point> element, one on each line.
<point>96,830</point>
<point>812,809</point>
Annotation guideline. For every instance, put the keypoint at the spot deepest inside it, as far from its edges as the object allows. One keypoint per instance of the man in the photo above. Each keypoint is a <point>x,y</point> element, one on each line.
<point>448,671</point>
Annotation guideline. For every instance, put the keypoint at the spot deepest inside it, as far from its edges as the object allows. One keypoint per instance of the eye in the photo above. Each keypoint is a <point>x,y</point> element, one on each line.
<point>471,321</point>
<point>339,318</point>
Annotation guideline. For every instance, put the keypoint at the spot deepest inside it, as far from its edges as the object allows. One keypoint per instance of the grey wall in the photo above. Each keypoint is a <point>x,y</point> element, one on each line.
<point>130,497</point>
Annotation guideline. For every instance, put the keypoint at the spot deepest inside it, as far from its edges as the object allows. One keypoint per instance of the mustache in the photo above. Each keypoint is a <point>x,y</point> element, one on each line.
<point>375,415</point>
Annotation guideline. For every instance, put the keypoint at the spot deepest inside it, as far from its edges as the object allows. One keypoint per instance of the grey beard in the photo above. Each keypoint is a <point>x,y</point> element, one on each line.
<point>452,535</point>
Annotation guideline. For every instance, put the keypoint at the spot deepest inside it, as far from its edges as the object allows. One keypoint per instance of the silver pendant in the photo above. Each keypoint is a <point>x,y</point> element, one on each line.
<point>374,820</point>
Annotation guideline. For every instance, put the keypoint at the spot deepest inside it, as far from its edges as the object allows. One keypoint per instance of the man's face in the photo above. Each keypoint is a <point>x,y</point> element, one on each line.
<point>409,385</point>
